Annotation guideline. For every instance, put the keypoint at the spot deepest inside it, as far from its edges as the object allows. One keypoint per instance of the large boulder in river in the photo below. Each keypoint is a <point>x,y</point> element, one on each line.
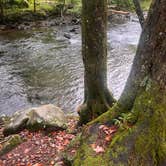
<point>47,117</point>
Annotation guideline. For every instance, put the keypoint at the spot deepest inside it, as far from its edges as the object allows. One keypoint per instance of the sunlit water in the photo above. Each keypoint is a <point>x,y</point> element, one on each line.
<point>40,66</point>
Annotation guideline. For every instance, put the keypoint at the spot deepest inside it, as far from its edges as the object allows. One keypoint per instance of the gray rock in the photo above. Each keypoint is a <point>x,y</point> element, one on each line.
<point>2,27</point>
<point>48,117</point>
<point>73,29</point>
<point>67,35</point>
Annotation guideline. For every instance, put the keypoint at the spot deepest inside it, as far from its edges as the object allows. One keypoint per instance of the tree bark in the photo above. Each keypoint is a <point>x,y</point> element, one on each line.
<point>145,97</point>
<point>98,99</point>
<point>139,12</point>
<point>153,35</point>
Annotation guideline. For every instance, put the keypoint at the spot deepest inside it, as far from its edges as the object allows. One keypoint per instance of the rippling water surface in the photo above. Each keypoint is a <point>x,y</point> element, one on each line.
<point>41,66</point>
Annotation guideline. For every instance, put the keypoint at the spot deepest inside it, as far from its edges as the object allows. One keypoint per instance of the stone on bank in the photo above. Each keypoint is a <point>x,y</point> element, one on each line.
<point>47,117</point>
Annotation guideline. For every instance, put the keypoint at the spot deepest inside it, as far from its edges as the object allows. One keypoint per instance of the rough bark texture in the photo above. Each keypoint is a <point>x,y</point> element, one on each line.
<point>94,50</point>
<point>151,45</point>
<point>139,12</point>
<point>145,97</point>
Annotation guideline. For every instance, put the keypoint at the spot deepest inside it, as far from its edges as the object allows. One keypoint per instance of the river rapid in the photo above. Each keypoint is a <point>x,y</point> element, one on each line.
<point>41,66</point>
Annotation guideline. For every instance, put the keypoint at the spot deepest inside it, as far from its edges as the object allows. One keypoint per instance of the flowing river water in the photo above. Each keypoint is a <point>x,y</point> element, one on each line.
<point>40,66</point>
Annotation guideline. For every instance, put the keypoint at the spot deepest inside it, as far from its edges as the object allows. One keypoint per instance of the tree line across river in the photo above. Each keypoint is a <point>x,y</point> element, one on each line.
<point>8,8</point>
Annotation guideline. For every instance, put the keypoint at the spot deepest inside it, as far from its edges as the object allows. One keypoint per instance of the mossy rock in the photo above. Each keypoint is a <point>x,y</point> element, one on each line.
<point>13,142</point>
<point>46,117</point>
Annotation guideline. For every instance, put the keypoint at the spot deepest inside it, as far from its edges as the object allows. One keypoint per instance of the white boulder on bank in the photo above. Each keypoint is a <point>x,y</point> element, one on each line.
<point>48,117</point>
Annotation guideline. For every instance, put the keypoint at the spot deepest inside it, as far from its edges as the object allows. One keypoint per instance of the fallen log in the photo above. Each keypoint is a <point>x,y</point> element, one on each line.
<point>110,12</point>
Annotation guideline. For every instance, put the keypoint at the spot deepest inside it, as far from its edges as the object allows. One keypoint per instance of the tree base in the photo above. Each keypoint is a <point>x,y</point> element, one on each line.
<point>92,109</point>
<point>143,145</point>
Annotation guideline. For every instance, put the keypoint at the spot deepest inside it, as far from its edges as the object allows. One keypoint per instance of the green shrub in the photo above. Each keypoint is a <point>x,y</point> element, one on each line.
<point>17,4</point>
<point>123,4</point>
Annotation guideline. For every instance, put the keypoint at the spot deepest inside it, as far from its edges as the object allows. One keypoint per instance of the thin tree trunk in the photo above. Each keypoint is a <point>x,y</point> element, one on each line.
<point>63,8</point>
<point>98,99</point>
<point>1,10</point>
<point>34,5</point>
<point>139,12</point>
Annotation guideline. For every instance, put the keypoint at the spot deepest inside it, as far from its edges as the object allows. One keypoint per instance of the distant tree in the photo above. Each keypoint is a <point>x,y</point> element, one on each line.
<point>61,7</point>
<point>1,10</point>
<point>34,6</point>
<point>98,98</point>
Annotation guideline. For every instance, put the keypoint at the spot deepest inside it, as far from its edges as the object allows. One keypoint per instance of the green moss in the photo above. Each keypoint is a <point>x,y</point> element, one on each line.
<point>87,157</point>
<point>13,142</point>
<point>144,144</point>
<point>67,156</point>
<point>151,106</point>
<point>108,116</point>
<point>123,4</point>
<point>145,4</point>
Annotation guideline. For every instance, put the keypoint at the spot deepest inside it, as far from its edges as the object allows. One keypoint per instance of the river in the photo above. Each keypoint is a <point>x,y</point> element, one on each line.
<point>40,66</point>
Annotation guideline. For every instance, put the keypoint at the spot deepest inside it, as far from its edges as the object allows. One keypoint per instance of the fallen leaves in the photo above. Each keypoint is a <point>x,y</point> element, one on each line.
<point>26,150</point>
<point>38,164</point>
<point>52,162</point>
<point>108,130</point>
<point>98,149</point>
<point>39,149</point>
<point>105,135</point>
<point>42,149</point>
<point>108,138</point>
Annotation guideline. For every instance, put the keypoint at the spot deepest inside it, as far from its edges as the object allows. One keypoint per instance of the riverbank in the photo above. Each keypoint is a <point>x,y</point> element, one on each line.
<point>30,20</point>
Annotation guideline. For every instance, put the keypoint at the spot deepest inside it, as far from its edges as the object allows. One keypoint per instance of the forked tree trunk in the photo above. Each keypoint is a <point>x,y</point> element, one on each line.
<point>151,49</point>
<point>144,98</point>
<point>139,12</point>
<point>145,94</point>
<point>98,99</point>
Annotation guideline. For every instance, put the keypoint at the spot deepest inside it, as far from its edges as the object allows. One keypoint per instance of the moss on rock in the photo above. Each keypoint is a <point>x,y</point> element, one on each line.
<point>13,142</point>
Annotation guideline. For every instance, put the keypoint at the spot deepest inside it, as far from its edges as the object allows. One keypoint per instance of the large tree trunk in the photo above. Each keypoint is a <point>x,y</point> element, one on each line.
<point>145,98</point>
<point>98,99</point>
<point>139,12</point>
<point>148,52</point>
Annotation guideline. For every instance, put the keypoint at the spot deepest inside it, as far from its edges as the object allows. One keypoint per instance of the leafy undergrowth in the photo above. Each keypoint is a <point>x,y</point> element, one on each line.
<point>40,148</point>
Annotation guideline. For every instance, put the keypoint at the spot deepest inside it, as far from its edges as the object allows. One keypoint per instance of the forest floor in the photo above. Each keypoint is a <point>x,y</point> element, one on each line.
<point>40,148</point>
